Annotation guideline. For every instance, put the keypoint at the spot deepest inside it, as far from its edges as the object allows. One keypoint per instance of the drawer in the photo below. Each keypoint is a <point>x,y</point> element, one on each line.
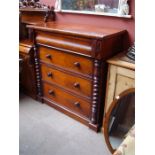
<point>66,100</point>
<point>72,62</point>
<point>72,43</point>
<point>74,83</point>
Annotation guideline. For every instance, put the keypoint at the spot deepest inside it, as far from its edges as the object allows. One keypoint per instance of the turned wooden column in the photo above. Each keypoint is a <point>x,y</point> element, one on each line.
<point>95,91</point>
<point>38,74</point>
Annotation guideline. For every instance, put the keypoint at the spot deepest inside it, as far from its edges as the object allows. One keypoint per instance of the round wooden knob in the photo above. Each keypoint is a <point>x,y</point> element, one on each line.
<point>76,85</point>
<point>51,92</point>
<point>77,64</point>
<point>77,104</point>
<point>48,56</point>
<point>49,74</point>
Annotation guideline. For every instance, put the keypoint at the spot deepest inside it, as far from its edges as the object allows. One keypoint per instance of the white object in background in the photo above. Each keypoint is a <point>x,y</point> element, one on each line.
<point>57,5</point>
<point>99,7</point>
<point>123,7</point>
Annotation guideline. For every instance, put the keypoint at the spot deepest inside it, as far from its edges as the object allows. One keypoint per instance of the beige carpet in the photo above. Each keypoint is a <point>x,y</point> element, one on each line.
<point>45,131</point>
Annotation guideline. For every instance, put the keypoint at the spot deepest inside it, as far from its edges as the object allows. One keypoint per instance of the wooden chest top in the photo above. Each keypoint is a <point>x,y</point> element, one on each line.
<point>78,30</point>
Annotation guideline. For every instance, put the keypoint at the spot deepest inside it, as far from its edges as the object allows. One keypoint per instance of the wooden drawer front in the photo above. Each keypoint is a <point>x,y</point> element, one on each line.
<point>73,62</point>
<point>77,84</point>
<point>65,99</point>
<point>72,43</point>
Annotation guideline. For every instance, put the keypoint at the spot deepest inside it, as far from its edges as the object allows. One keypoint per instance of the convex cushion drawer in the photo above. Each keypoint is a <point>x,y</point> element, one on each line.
<point>71,43</point>
<point>67,100</point>
<point>69,61</point>
<point>74,83</point>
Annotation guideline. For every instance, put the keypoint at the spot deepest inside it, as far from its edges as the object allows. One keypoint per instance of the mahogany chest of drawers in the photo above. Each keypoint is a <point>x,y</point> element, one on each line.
<point>71,69</point>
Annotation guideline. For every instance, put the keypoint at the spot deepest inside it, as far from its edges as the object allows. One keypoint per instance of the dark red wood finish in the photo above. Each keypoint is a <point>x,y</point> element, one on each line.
<point>80,51</point>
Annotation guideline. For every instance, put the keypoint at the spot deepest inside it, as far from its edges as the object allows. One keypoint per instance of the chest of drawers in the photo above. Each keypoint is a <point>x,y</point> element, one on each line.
<point>71,70</point>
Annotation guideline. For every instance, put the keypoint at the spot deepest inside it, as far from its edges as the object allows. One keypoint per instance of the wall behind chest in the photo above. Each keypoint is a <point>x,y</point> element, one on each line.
<point>105,21</point>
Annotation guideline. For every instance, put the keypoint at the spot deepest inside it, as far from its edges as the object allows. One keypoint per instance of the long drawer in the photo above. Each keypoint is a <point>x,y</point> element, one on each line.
<point>74,83</point>
<point>73,43</point>
<point>69,61</point>
<point>66,100</point>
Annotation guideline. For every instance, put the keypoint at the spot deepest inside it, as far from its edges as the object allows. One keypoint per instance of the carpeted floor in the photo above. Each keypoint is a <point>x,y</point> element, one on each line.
<point>45,131</point>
